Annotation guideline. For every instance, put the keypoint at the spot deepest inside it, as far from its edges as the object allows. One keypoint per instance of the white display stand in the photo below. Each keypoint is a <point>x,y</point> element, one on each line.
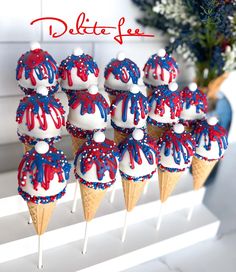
<point>64,239</point>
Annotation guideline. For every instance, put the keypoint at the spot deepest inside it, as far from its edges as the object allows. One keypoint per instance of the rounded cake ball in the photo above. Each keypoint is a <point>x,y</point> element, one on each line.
<point>129,111</point>
<point>194,104</point>
<point>211,139</point>
<point>160,69</point>
<point>78,71</point>
<point>166,107</point>
<point>120,74</point>
<point>88,112</point>
<point>138,156</point>
<point>211,143</point>
<point>40,117</point>
<point>37,68</point>
<point>96,169</point>
<point>177,148</point>
<point>42,174</point>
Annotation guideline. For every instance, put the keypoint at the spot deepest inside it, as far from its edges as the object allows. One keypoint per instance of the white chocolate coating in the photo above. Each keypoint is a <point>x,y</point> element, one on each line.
<point>212,154</point>
<point>156,82</point>
<point>26,83</point>
<point>55,187</point>
<point>191,113</point>
<point>36,132</point>
<point>116,84</point>
<point>91,175</point>
<point>139,169</point>
<point>78,83</point>
<point>166,118</point>
<point>117,118</point>
<point>168,161</point>
<point>86,121</point>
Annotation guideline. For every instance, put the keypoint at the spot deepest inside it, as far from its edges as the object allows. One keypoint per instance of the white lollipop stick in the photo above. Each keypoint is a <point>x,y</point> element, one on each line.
<point>40,252</point>
<point>190,213</point>
<point>113,192</point>
<point>85,239</point>
<point>145,188</point>
<point>191,208</point>
<point>30,221</point>
<point>75,198</point>
<point>160,217</point>
<point>125,227</point>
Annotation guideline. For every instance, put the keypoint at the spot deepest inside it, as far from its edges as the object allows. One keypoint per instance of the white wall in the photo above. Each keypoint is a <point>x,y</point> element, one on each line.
<point>16,33</point>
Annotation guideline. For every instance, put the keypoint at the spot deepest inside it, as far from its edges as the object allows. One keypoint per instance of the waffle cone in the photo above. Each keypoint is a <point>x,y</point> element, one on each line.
<point>119,136</point>
<point>201,169</point>
<point>41,214</point>
<point>112,98</point>
<point>188,129</point>
<point>27,147</point>
<point>154,131</point>
<point>91,199</point>
<point>149,92</point>
<point>132,192</point>
<point>76,143</point>
<point>167,183</point>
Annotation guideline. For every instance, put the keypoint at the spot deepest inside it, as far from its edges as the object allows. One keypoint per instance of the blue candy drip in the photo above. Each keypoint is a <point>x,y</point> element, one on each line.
<point>119,68</point>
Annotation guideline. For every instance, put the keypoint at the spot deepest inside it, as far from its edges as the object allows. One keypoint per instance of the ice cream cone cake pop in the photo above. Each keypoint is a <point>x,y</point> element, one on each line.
<point>194,106</point>
<point>96,169</point>
<point>42,178</point>
<point>88,112</point>
<point>39,117</point>
<point>78,71</point>
<point>177,148</point>
<point>211,143</point>
<point>120,74</point>
<point>37,68</point>
<point>160,69</point>
<point>138,163</point>
<point>166,107</point>
<point>129,111</point>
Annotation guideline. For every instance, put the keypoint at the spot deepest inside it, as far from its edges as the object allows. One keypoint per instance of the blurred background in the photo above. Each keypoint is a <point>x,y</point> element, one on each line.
<point>15,36</point>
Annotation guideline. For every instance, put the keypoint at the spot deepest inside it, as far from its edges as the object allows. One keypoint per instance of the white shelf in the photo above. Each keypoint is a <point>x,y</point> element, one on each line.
<point>64,238</point>
<point>106,252</point>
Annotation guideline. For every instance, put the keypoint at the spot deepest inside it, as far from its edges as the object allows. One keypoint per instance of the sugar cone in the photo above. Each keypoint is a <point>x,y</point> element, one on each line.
<point>154,131</point>
<point>201,169</point>
<point>91,199</point>
<point>112,98</point>
<point>188,129</point>
<point>27,147</point>
<point>149,92</point>
<point>132,192</point>
<point>119,136</point>
<point>41,214</point>
<point>76,143</point>
<point>167,183</point>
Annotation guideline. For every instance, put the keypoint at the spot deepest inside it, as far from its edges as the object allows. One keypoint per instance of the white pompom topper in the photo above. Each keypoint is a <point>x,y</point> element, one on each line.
<point>99,137</point>
<point>212,121</point>
<point>120,56</point>
<point>173,86</point>
<point>78,51</point>
<point>192,87</point>
<point>42,147</point>
<point>138,134</point>
<point>34,45</point>
<point>42,90</point>
<point>178,128</point>
<point>161,53</point>
<point>93,89</point>
<point>134,88</point>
